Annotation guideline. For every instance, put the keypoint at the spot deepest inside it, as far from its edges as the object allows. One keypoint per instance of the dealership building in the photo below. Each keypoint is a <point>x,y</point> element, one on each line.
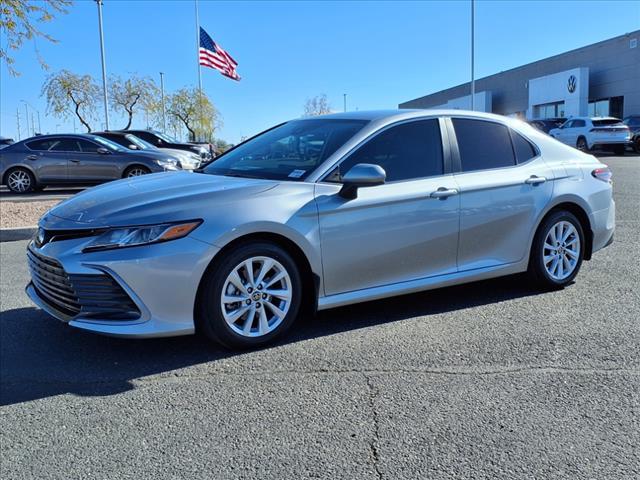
<point>602,79</point>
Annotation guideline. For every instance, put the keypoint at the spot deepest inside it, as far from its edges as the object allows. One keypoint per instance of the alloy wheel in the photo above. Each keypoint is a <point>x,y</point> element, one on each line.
<point>561,250</point>
<point>19,181</point>
<point>582,145</point>
<point>256,296</point>
<point>136,172</point>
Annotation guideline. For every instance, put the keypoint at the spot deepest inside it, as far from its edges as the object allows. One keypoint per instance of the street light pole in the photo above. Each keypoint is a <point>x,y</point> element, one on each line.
<point>344,100</point>
<point>473,80</point>
<point>104,67</point>
<point>26,117</point>
<point>164,120</point>
<point>18,121</point>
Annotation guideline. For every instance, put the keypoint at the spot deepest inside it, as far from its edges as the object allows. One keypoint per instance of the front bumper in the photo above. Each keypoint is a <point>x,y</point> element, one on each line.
<point>161,280</point>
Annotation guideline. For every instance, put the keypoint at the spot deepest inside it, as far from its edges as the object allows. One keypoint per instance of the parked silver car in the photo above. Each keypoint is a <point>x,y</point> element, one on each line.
<point>323,212</point>
<point>77,159</point>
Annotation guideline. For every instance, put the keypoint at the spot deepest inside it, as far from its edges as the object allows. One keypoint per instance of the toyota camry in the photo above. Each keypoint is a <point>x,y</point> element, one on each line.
<point>321,212</point>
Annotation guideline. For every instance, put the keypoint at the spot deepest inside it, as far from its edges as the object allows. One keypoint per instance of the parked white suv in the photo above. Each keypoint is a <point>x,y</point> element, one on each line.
<point>586,133</point>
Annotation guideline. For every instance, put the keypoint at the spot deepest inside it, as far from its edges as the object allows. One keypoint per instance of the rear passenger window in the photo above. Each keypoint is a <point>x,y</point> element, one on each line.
<point>66,145</point>
<point>483,144</point>
<point>524,150</point>
<point>407,151</point>
<point>41,144</point>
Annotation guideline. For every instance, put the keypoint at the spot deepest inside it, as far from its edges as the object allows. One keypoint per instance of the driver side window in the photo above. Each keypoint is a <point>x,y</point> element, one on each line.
<point>406,152</point>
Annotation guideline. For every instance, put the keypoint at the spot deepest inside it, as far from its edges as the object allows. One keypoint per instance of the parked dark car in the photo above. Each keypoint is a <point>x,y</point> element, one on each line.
<point>4,142</point>
<point>186,160</point>
<point>78,159</point>
<point>547,124</point>
<point>633,122</point>
<point>162,140</point>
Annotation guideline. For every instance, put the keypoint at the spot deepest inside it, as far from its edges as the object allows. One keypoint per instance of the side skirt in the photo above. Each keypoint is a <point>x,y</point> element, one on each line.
<point>421,284</point>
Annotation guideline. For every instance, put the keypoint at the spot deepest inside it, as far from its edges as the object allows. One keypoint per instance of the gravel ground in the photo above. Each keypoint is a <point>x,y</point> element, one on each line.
<point>490,380</point>
<point>23,214</point>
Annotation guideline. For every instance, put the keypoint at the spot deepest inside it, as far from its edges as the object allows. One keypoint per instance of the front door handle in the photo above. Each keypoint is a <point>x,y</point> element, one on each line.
<point>443,192</point>
<point>32,157</point>
<point>74,160</point>
<point>535,180</point>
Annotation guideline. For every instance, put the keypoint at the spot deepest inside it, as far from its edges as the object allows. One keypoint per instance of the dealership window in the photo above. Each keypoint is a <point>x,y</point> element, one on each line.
<point>550,110</point>
<point>599,108</point>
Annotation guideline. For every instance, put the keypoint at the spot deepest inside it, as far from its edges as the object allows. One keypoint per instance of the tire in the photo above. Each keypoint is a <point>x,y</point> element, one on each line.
<point>619,150</point>
<point>636,144</point>
<point>251,321</point>
<point>135,171</point>
<point>568,253</point>
<point>582,144</point>
<point>20,180</point>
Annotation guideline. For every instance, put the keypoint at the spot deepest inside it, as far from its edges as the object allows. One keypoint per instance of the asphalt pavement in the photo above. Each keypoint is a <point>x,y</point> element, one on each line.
<point>487,380</point>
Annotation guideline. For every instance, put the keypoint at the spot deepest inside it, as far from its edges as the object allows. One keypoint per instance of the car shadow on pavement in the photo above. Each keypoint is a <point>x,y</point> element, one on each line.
<point>42,357</point>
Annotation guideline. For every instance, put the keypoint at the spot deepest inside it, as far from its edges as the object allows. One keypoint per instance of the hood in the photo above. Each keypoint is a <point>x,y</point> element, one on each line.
<point>149,199</point>
<point>189,160</point>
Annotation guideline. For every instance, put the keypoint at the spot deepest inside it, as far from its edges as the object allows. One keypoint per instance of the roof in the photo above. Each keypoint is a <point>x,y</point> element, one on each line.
<point>401,114</point>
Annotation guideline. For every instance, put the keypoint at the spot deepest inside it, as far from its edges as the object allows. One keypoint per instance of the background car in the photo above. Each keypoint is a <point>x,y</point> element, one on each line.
<point>162,140</point>
<point>78,159</point>
<point>187,160</point>
<point>547,124</point>
<point>586,133</point>
<point>5,142</point>
<point>633,122</point>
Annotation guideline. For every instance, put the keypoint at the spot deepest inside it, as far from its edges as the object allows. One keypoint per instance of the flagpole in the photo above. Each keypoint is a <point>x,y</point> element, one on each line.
<point>473,79</point>
<point>198,60</point>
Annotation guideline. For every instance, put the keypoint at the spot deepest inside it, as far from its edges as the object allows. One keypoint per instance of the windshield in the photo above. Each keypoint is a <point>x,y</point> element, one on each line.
<point>288,152</point>
<point>166,137</point>
<point>138,142</point>
<point>109,144</point>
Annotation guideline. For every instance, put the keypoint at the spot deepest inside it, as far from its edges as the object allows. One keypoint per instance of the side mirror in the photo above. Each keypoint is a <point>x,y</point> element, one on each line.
<point>133,147</point>
<point>103,151</point>
<point>361,175</point>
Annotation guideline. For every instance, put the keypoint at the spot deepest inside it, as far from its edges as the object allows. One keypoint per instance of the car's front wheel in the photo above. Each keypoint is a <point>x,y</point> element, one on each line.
<point>20,180</point>
<point>557,250</point>
<point>136,171</point>
<point>250,296</point>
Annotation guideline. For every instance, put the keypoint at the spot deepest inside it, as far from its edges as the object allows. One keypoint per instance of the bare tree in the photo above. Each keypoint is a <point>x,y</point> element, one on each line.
<point>127,95</point>
<point>69,94</point>
<point>19,21</point>
<point>197,115</point>
<point>318,105</point>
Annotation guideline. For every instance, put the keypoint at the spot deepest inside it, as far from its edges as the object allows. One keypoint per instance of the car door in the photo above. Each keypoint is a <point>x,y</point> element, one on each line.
<point>50,165</point>
<point>397,231</point>
<point>504,186</point>
<point>89,165</point>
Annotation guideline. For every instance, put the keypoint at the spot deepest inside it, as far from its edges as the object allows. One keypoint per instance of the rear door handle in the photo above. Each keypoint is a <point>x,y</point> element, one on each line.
<point>32,157</point>
<point>535,180</point>
<point>74,160</point>
<point>443,192</point>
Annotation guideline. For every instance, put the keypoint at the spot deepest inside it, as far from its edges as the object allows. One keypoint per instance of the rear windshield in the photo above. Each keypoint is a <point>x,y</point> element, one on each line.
<point>607,122</point>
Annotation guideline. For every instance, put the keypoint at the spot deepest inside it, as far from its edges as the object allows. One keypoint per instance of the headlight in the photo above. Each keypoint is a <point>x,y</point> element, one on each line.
<point>167,162</point>
<point>141,235</point>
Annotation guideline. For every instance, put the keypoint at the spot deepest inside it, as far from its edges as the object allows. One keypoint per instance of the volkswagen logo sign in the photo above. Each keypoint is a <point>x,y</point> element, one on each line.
<point>572,83</point>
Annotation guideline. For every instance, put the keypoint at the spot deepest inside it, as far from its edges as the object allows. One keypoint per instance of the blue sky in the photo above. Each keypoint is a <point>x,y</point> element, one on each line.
<point>379,53</point>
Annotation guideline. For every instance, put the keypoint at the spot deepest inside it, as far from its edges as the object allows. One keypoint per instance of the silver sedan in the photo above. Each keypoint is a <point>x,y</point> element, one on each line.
<point>321,212</point>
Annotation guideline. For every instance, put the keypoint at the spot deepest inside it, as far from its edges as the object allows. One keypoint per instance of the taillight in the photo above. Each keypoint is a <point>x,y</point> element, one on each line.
<point>603,174</point>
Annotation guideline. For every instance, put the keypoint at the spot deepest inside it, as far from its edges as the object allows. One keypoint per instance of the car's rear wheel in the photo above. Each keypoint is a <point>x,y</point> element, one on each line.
<point>20,180</point>
<point>250,297</point>
<point>136,171</point>
<point>557,250</point>
<point>582,145</point>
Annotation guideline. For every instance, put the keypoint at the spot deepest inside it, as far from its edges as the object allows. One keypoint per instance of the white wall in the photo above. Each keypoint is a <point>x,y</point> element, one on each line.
<point>483,102</point>
<point>555,88</point>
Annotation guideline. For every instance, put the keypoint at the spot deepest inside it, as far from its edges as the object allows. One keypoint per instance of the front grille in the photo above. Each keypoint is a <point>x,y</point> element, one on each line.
<point>92,296</point>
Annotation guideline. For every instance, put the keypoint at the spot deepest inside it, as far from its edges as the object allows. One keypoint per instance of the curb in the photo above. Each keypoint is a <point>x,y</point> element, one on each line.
<point>15,234</point>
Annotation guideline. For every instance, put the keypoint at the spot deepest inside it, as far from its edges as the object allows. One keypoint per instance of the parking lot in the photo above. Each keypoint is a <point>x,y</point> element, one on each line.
<point>486,380</point>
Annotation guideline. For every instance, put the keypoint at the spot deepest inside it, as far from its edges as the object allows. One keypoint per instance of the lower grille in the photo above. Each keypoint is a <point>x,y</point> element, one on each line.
<point>92,296</point>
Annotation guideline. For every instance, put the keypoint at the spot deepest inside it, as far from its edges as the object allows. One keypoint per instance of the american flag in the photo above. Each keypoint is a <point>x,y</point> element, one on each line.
<point>213,56</point>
